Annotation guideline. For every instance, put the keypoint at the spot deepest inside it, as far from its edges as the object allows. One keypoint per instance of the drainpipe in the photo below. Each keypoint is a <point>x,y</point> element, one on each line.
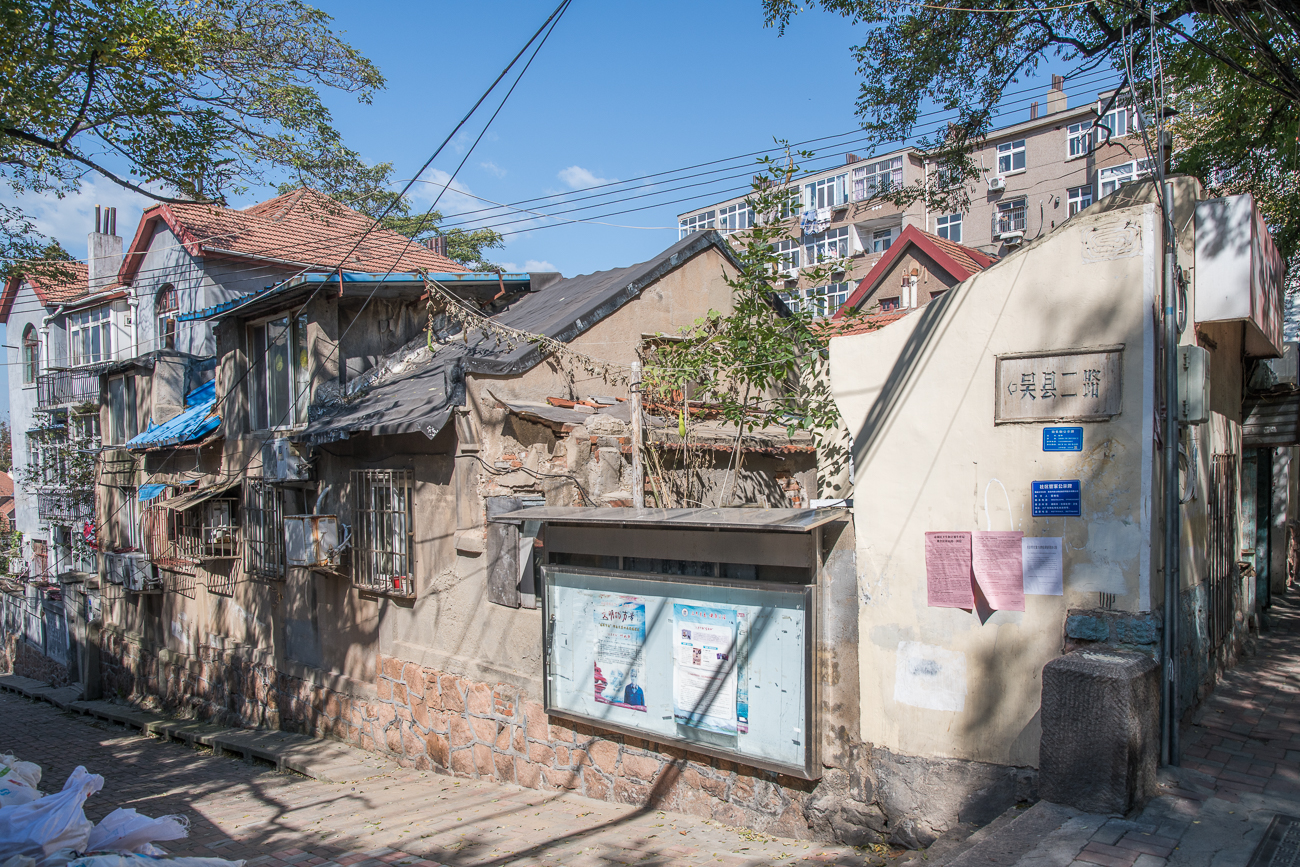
<point>1173,515</point>
<point>134,303</point>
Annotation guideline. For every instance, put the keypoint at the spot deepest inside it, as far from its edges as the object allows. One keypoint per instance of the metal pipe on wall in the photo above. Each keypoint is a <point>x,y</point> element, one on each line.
<point>1172,510</point>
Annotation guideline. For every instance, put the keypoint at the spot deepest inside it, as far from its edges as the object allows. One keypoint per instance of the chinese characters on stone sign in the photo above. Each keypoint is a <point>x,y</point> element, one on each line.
<point>1058,386</point>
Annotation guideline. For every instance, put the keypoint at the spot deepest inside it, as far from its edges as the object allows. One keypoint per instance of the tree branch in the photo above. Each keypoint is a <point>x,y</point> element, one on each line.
<point>85,103</point>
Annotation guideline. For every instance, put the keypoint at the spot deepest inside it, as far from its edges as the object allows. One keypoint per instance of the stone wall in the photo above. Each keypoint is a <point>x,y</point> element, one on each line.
<point>21,658</point>
<point>433,720</point>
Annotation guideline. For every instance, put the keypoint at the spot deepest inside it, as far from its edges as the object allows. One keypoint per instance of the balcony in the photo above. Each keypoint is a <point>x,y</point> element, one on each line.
<point>65,507</point>
<point>69,386</point>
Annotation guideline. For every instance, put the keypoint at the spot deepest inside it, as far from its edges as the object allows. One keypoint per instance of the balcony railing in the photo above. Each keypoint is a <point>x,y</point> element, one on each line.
<point>1007,220</point>
<point>65,506</point>
<point>68,387</point>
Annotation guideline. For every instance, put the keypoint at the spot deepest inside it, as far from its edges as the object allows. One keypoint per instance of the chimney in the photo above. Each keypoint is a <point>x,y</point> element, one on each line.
<point>1033,111</point>
<point>850,159</point>
<point>103,250</point>
<point>437,244</point>
<point>1056,99</point>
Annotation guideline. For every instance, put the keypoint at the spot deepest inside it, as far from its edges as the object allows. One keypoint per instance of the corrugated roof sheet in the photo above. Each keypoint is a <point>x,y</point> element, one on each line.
<point>192,425</point>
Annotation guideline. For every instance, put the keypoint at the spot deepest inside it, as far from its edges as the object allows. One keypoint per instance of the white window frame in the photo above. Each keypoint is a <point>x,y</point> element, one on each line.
<point>294,376</point>
<point>877,178</point>
<point>787,252</point>
<point>696,223</point>
<point>1079,198</point>
<point>1007,210</point>
<point>1120,121</point>
<point>90,336</point>
<point>166,310</point>
<point>949,227</point>
<point>1111,178</point>
<point>31,355</point>
<point>1078,140</point>
<point>883,239</point>
<point>1011,157</point>
<point>826,246</point>
<point>826,192</point>
<point>735,218</point>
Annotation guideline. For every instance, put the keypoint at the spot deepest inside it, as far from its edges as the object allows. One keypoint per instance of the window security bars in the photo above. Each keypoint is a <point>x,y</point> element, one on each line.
<point>65,506</point>
<point>178,540</point>
<point>68,387</point>
<point>1009,217</point>
<point>264,530</point>
<point>1223,547</point>
<point>381,526</point>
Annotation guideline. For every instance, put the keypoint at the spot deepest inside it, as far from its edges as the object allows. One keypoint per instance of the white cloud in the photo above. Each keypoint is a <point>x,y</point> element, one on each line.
<point>577,178</point>
<point>493,168</point>
<point>453,201</point>
<point>72,217</point>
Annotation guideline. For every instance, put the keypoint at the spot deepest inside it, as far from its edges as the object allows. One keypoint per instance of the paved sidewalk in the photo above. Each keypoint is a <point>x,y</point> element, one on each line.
<point>246,810</point>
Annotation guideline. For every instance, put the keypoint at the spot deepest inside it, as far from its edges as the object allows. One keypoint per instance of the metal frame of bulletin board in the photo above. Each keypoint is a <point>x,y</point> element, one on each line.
<point>618,654</point>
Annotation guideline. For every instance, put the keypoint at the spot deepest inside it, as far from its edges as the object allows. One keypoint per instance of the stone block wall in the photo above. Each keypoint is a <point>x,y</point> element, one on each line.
<point>21,658</point>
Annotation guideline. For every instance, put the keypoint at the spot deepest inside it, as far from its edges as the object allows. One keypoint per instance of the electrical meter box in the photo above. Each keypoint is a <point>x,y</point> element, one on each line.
<point>1193,384</point>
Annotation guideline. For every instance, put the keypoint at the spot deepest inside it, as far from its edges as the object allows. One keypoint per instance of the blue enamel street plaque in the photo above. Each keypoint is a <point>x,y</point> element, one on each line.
<point>1062,439</point>
<point>1057,499</point>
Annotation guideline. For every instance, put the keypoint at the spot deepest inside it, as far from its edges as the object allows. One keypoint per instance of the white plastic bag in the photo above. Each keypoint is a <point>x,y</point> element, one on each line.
<point>145,861</point>
<point>48,825</point>
<point>125,830</point>
<point>18,781</point>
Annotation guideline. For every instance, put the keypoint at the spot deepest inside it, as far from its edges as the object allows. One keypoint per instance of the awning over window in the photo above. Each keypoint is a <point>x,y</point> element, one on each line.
<point>148,492</point>
<point>192,499</point>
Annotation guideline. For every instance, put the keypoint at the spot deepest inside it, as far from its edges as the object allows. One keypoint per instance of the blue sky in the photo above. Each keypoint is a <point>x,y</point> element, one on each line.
<point>620,90</point>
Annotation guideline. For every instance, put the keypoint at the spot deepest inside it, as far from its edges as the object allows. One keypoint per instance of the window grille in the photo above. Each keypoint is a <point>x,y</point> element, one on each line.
<point>1009,217</point>
<point>381,546</point>
<point>264,530</point>
<point>179,539</point>
<point>1222,564</point>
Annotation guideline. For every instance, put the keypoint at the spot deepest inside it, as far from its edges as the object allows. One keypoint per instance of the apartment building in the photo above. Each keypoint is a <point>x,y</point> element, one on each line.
<point>1034,175</point>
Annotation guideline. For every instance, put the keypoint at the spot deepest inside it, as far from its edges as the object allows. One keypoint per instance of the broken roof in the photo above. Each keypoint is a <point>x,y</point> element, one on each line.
<point>416,389</point>
<point>302,228</point>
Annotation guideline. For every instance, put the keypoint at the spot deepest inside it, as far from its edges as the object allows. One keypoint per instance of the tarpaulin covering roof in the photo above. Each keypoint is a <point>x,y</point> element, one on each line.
<point>192,425</point>
<point>418,389</point>
<point>148,492</point>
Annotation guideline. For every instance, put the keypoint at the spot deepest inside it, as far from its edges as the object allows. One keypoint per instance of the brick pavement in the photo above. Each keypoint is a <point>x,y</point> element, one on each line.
<point>1244,742</point>
<point>248,810</point>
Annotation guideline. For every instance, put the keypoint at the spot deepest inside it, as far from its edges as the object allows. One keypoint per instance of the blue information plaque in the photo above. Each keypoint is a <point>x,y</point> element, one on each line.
<point>1060,498</point>
<point>1062,439</point>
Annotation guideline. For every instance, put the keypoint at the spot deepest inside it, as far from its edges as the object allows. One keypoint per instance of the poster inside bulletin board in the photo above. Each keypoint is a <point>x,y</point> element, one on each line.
<point>721,667</point>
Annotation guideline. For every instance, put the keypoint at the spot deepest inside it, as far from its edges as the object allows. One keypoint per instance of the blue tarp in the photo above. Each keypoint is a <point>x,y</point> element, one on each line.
<point>148,492</point>
<point>195,423</point>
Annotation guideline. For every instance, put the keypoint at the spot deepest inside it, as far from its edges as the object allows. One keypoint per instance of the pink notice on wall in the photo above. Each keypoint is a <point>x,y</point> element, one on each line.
<point>998,564</point>
<point>948,570</point>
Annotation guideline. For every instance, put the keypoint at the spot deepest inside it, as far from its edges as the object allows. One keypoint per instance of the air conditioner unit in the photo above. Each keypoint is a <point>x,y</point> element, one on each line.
<point>138,575</point>
<point>282,461</point>
<point>997,183</point>
<point>115,568</point>
<point>1011,239</point>
<point>313,540</point>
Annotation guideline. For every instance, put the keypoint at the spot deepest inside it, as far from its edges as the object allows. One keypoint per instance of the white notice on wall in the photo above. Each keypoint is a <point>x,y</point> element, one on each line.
<point>1043,566</point>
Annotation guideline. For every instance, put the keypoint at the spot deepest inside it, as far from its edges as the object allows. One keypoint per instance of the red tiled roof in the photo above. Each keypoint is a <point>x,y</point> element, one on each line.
<point>49,290</point>
<point>863,324</point>
<point>302,228</point>
<point>957,260</point>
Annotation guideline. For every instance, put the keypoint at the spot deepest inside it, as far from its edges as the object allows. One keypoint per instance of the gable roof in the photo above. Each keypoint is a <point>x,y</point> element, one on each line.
<point>957,260</point>
<point>50,290</point>
<point>302,228</point>
<point>416,389</point>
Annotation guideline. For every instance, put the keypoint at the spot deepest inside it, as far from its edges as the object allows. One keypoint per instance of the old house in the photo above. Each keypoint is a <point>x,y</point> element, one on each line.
<point>916,269</point>
<point>1022,411</point>
<point>322,558</point>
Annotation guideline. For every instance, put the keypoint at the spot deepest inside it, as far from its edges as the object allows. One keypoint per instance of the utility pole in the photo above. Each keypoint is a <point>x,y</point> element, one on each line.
<point>638,472</point>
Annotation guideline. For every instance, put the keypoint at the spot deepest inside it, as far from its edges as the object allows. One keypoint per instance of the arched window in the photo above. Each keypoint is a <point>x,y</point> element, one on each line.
<point>166,307</point>
<point>31,354</point>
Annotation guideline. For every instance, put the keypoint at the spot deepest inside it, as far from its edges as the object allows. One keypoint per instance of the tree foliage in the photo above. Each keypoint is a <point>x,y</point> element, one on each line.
<point>175,99</point>
<point>1231,67</point>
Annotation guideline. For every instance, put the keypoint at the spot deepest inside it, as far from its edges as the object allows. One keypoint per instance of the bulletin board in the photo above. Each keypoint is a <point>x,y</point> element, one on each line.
<point>718,666</point>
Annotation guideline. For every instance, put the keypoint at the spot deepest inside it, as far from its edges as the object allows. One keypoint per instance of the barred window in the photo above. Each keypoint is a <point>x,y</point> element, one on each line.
<point>381,527</point>
<point>264,521</point>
